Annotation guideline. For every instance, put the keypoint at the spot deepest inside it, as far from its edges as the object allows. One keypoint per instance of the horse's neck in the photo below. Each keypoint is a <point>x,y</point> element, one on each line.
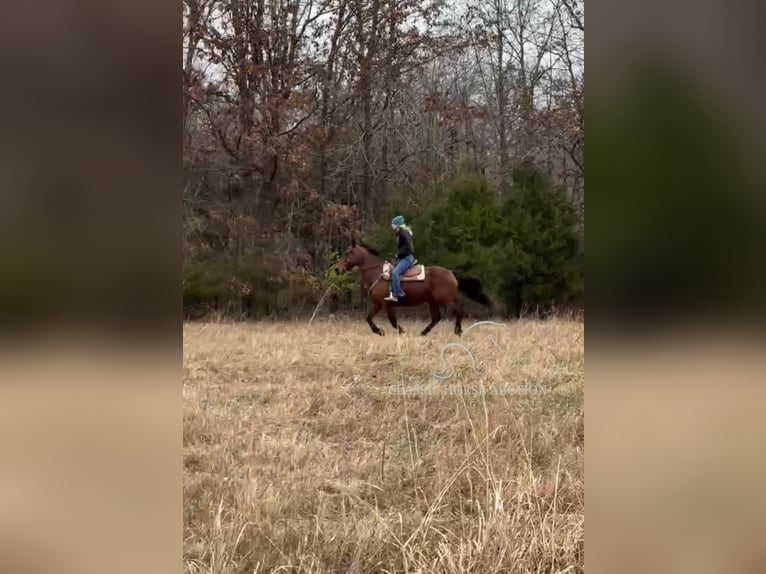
<point>371,267</point>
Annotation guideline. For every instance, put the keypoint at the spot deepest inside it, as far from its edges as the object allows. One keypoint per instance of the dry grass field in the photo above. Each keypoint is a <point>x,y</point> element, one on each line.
<point>325,448</point>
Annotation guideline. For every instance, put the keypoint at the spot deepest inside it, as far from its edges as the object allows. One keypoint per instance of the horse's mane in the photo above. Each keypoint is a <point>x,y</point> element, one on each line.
<point>370,249</point>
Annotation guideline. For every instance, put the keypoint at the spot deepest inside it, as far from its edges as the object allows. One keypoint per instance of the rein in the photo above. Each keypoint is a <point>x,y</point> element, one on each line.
<point>363,269</point>
<point>369,291</point>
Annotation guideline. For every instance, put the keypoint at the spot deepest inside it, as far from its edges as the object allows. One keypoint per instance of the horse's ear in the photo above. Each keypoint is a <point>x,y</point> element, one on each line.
<point>353,242</point>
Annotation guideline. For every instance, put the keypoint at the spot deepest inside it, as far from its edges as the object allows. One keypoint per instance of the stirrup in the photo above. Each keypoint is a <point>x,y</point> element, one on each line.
<point>391,298</point>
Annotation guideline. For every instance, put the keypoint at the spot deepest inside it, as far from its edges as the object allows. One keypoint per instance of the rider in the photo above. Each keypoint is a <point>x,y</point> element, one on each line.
<point>405,256</point>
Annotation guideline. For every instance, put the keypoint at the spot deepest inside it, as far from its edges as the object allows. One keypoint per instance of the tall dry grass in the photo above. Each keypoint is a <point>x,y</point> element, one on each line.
<point>298,459</point>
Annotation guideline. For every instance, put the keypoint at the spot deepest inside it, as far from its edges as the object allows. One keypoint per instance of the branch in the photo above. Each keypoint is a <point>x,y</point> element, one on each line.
<point>570,153</point>
<point>297,125</point>
<point>577,23</point>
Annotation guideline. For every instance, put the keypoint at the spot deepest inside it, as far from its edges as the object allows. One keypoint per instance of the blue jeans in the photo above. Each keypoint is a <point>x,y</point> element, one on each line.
<point>401,266</point>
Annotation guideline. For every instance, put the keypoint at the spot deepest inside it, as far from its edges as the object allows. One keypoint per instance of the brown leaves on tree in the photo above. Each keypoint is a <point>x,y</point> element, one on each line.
<point>304,117</point>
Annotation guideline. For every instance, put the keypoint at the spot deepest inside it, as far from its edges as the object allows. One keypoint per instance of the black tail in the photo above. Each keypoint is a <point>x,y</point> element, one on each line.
<point>471,287</point>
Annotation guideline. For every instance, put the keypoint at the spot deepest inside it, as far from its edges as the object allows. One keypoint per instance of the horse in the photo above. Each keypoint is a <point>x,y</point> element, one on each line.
<point>435,286</point>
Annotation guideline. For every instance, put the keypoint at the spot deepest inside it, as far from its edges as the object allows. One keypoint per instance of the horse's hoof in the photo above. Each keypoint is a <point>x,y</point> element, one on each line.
<point>382,333</point>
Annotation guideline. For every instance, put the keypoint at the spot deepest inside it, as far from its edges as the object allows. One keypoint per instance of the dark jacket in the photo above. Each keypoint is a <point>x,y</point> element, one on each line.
<point>404,245</point>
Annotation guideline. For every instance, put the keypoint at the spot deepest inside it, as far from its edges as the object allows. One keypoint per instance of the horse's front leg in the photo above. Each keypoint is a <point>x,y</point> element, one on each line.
<point>391,313</point>
<point>376,305</point>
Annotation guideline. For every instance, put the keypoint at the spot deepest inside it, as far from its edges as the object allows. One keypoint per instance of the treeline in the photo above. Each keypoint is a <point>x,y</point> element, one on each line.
<point>308,122</point>
<point>523,245</point>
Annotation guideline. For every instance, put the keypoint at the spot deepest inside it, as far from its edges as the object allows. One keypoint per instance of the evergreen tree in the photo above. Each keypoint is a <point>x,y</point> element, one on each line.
<point>522,246</point>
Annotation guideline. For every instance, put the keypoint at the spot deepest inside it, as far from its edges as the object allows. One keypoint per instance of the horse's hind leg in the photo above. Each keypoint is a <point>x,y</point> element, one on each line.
<point>458,318</point>
<point>392,317</point>
<point>436,316</point>
<point>374,311</point>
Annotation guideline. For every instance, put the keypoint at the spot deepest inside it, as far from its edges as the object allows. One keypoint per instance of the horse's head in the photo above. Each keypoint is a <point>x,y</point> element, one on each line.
<point>351,258</point>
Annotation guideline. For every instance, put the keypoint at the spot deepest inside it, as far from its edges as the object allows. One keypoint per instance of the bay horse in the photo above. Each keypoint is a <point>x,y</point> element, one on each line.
<point>437,289</point>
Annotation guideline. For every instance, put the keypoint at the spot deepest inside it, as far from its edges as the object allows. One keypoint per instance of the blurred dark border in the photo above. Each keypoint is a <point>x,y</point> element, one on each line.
<point>90,157</point>
<point>675,208</point>
<point>90,273</point>
<point>675,241</point>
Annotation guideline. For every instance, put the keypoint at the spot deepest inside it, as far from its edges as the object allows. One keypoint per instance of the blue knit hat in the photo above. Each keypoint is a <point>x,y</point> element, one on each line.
<point>398,220</point>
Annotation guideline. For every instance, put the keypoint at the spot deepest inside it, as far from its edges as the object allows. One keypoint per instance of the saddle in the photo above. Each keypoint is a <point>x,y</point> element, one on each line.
<point>416,272</point>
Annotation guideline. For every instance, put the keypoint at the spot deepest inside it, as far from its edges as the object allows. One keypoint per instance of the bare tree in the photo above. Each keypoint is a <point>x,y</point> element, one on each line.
<point>300,107</point>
